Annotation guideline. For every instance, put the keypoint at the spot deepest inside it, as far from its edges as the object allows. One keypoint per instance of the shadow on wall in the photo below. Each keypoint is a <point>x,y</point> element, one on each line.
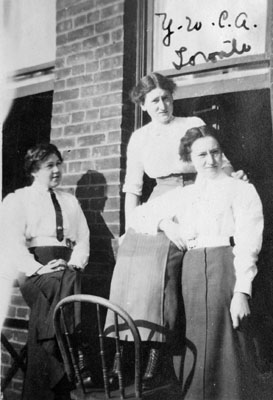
<point>91,192</point>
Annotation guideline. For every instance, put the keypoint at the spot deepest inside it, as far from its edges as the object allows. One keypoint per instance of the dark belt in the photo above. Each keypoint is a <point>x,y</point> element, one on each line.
<point>44,254</point>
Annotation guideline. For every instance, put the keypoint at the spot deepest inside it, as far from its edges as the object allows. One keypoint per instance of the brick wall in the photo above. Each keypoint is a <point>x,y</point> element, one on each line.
<point>90,114</point>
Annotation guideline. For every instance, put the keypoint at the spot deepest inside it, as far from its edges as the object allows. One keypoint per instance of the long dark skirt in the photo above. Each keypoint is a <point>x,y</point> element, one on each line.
<point>146,283</point>
<point>45,369</point>
<point>219,360</point>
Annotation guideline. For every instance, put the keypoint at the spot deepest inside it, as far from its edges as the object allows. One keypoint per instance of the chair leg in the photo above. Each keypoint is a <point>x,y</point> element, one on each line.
<point>18,361</point>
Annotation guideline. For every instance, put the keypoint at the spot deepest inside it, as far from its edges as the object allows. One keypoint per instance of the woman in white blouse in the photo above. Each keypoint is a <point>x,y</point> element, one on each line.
<point>46,257</point>
<point>203,219</point>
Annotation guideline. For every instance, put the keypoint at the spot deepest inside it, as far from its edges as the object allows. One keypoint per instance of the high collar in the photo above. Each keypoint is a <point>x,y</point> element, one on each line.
<point>202,180</point>
<point>160,128</point>
<point>40,188</point>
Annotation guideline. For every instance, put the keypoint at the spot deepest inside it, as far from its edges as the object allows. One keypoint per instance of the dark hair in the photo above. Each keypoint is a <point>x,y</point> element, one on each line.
<point>36,154</point>
<point>148,83</point>
<point>191,136</point>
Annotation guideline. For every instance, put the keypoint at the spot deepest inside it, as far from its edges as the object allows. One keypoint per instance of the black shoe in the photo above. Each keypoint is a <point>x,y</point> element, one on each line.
<point>87,379</point>
<point>152,377</point>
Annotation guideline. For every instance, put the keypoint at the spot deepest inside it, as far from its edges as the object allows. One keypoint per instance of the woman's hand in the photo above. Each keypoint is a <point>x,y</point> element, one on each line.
<point>240,175</point>
<point>172,231</point>
<point>239,308</point>
<point>53,266</point>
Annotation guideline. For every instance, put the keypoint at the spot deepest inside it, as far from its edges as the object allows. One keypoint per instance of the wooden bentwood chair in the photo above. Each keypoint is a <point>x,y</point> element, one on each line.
<point>69,354</point>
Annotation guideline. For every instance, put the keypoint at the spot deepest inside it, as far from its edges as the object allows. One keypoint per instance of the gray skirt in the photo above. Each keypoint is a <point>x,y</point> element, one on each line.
<point>219,360</point>
<point>142,287</point>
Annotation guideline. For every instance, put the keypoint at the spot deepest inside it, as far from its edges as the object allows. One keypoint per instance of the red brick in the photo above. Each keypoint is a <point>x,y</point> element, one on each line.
<point>61,39</point>
<point>112,10</point>
<point>106,151</point>
<point>106,2</point>
<point>113,190</point>
<point>108,24</point>
<point>60,62</point>
<point>93,90</point>
<point>59,85</point>
<point>76,105</point>
<point>78,69</point>
<point>70,180</point>
<point>87,165</point>
<point>81,33</point>
<point>107,163</point>
<point>57,108</point>
<point>78,154</point>
<point>96,41</point>
<point>92,67</point>
<point>56,132</point>
<point>113,111</point>
<point>23,313</point>
<point>66,95</point>
<point>79,21</point>
<point>68,49</point>
<point>78,7</point>
<point>111,216</point>
<point>80,58</point>
<point>108,75</point>
<point>112,98</point>
<point>11,311</point>
<point>112,176</point>
<point>115,48</point>
<point>112,204</point>
<point>93,17</point>
<point>64,26</point>
<point>90,140</point>
<point>77,129</point>
<point>63,73</point>
<point>64,4</point>
<point>64,143</point>
<point>60,119</point>
<point>92,115</point>
<point>117,35</point>
<point>116,86</point>
<point>111,63</point>
<point>106,125</point>
<point>114,137</point>
<point>78,117</point>
<point>75,166</point>
<point>79,80</point>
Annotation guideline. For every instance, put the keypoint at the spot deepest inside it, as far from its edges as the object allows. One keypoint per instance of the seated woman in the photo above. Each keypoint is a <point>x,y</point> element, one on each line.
<point>47,241</point>
<point>205,219</point>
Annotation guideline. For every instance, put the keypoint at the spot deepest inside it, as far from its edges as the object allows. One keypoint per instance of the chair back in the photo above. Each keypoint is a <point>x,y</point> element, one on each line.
<point>69,353</point>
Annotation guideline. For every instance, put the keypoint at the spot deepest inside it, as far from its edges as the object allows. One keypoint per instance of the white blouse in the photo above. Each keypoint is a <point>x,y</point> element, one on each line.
<point>210,210</point>
<point>28,216</point>
<point>153,149</point>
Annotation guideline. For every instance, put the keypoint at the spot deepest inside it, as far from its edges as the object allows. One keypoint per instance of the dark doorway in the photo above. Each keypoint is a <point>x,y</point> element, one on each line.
<point>27,124</point>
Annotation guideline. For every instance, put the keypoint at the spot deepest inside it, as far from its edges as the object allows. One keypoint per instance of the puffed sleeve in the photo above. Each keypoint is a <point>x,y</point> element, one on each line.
<point>249,223</point>
<point>146,218</point>
<point>13,223</point>
<point>134,167</point>
<point>80,253</point>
